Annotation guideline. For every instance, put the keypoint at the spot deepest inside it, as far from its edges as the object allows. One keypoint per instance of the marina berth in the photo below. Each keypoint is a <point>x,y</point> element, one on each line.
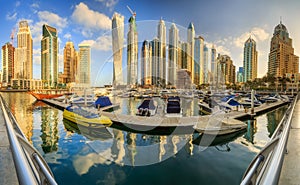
<point>85,117</point>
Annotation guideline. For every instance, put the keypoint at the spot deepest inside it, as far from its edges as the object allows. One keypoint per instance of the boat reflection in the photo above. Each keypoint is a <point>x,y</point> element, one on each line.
<point>205,140</point>
<point>99,133</point>
<point>251,130</point>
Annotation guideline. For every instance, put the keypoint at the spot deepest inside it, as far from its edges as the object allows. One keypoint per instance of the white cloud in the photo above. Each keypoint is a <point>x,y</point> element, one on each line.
<point>68,36</point>
<point>52,19</point>
<point>11,17</point>
<point>18,3</point>
<point>90,19</point>
<point>222,50</point>
<point>258,34</point>
<point>37,56</point>
<point>34,5</point>
<point>102,43</point>
<point>109,3</point>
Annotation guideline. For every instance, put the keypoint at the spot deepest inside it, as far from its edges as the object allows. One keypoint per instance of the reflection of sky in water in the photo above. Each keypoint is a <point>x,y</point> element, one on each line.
<point>78,155</point>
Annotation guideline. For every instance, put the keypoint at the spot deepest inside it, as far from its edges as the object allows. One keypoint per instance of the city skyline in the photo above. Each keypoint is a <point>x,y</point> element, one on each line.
<point>227,32</point>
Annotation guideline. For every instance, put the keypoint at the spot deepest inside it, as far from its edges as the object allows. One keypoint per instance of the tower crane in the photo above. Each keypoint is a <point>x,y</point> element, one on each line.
<point>132,12</point>
<point>12,36</point>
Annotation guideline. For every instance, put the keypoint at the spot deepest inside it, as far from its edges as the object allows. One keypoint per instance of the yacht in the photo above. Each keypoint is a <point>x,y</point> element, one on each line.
<point>147,108</point>
<point>173,108</point>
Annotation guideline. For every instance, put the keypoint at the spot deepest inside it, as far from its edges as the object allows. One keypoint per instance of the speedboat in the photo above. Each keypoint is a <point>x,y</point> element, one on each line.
<point>173,108</point>
<point>82,100</point>
<point>207,105</point>
<point>246,102</point>
<point>147,108</point>
<point>187,95</point>
<point>84,117</point>
<point>229,103</point>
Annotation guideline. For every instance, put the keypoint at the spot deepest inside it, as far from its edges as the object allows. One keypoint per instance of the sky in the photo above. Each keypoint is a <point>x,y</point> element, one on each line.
<point>224,24</point>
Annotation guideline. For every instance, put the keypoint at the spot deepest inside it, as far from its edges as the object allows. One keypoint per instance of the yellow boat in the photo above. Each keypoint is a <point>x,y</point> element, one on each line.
<point>85,118</point>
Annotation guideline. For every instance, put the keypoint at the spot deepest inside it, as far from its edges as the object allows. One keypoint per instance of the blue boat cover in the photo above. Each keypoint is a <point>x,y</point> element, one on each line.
<point>148,103</point>
<point>232,102</point>
<point>103,101</point>
<point>226,98</point>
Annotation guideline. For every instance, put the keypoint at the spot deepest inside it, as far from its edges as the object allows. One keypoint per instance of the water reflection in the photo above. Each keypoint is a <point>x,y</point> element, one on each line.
<point>273,120</point>
<point>80,155</point>
<point>20,105</point>
<point>251,130</point>
<point>49,135</point>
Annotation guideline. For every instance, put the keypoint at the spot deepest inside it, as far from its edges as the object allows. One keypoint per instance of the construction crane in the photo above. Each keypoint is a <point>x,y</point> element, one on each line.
<point>12,36</point>
<point>132,13</point>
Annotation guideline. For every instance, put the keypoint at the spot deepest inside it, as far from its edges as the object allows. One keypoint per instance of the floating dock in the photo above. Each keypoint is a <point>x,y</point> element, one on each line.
<point>224,123</point>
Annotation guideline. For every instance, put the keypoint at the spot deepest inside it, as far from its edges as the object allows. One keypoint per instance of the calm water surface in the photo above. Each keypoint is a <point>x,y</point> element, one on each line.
<point>78,155</point>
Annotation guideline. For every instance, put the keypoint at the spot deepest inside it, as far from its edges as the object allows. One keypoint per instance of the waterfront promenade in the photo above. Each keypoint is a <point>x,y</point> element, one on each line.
<point>8,173</point>
<point>291,164</point>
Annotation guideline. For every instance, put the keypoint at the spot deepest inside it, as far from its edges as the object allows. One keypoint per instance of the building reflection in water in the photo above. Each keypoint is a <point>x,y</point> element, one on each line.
<point>49,136</point>
<point>274,119</point>
<point>251,130</point>
<point>18,104</point>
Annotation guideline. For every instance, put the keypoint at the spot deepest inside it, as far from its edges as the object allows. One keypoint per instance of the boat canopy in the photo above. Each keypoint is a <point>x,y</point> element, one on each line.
<point>103,101</point>
<point>232,102</point>
<point>226,98</point>
<point>147,103</point>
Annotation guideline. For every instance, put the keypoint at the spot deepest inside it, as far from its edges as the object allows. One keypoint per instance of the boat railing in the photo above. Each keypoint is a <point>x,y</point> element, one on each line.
<point>265,168</point>
<point>31,168</point>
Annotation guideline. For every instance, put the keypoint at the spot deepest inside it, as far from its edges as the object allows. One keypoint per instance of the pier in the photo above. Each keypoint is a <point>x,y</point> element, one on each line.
<point>227,122</point>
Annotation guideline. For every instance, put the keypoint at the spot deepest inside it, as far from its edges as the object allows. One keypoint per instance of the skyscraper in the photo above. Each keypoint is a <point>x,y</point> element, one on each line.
<point>226,70</point>
<point>7,63</point>
<point>132,53</point>
<point>155,62</point>
<point>70,63</point>
<point>213,64</point>
<point>49,54</point>
<point>199,60</point>
<point>24,52</point>
<point>117,46</point>
<point>161,35</point>
<point>282,59</point>
<point>250,60</point>
<point>84,64</point>
<point>240,75</point>
<point>205,64</point>
<point>173,54</point>
<point>146,64</point>
<point>191,43</point>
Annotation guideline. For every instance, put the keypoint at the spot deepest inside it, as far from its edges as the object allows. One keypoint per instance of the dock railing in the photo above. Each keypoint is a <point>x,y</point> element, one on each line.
<point>266,167</point>
<point>31,168</point>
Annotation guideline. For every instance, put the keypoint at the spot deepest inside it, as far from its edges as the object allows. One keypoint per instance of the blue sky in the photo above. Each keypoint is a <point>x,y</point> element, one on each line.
<point>226,24</point>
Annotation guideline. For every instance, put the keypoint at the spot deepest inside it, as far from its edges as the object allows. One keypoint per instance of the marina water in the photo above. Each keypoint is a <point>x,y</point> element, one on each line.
<point>78,155</point>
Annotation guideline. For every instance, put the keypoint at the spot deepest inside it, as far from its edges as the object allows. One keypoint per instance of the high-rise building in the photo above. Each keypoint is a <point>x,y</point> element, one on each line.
<point>205,64</point>
<point>117,46</point>
<point>146,64</point>
<point>199,60</point>
<point>282,59</point>
<point>84,64</point>
<point>226,70</point>
<point>240,75</point>
<point>132,53</point>
<point>191,43</point>
<point>213,67</point>
<point>24,52</point>
<point>155,45</point>
<point>7,63</point>
<point>161,35</point>
<point>173,54</point>
<point>49,56</point>
<point>70,63</point>
<point>250,60</point>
